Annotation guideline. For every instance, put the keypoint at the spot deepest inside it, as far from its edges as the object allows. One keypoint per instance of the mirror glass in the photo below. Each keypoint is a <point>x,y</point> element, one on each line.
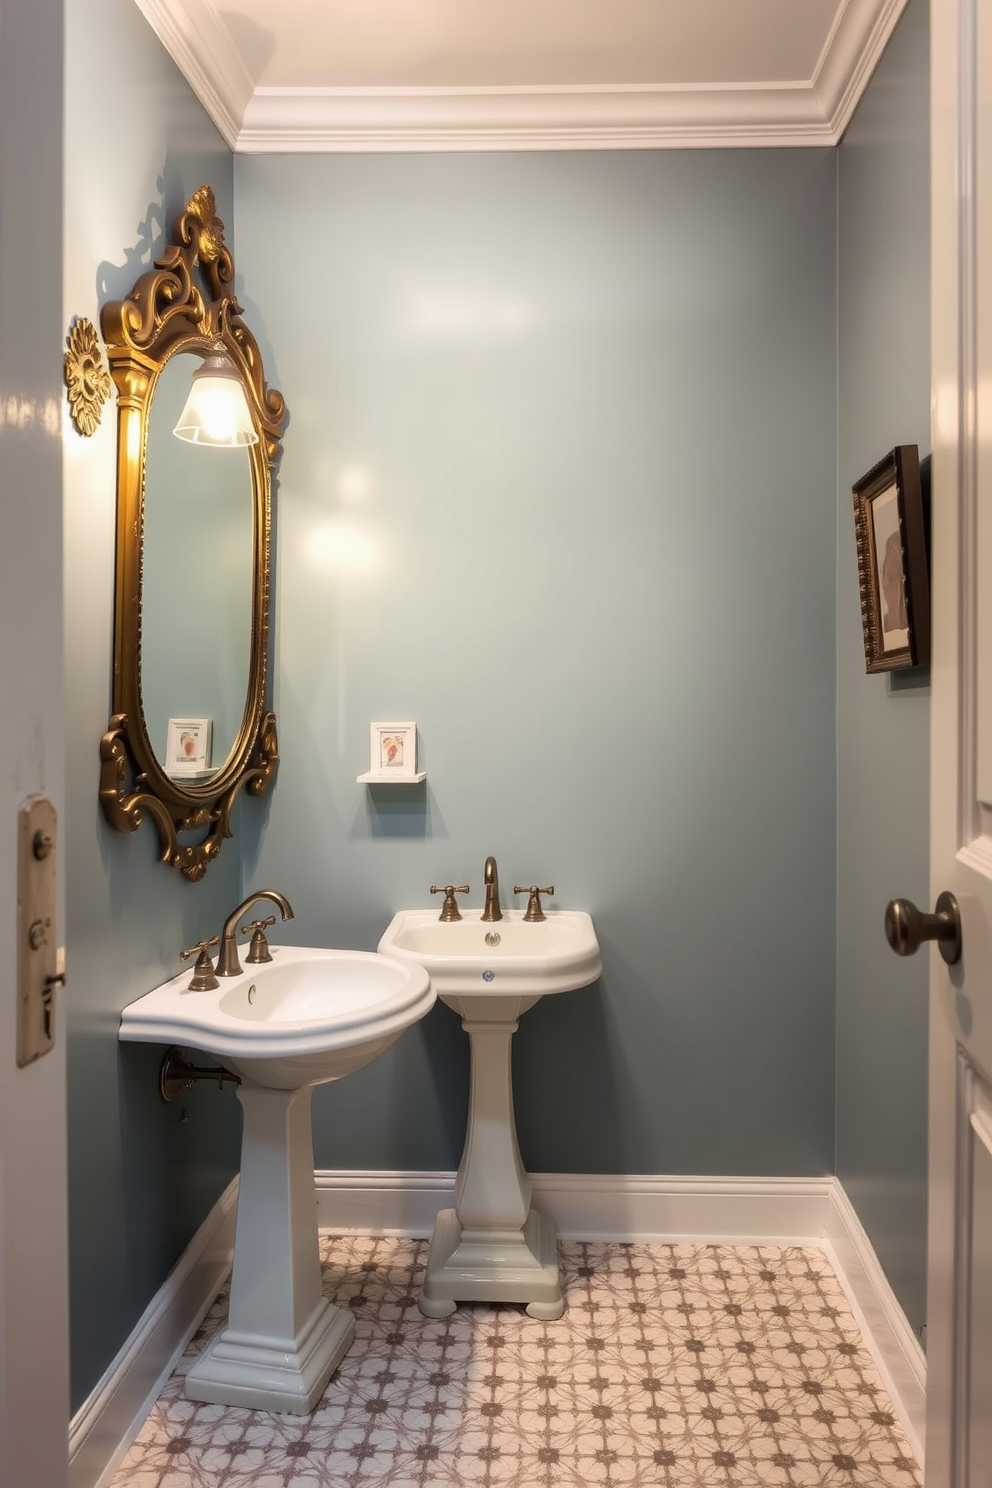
<point>196,587</point>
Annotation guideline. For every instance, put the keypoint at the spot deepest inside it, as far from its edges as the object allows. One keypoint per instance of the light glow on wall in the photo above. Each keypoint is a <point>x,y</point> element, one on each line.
<point>345,549</point>
<point>469,314</point>
<point>28,413</point>
<point>354,485</point>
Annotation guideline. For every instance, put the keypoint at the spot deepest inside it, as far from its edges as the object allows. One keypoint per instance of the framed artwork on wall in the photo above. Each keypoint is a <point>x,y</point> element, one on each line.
<point>393,755</point>
<point>394,748</point>
<point>893,572</point>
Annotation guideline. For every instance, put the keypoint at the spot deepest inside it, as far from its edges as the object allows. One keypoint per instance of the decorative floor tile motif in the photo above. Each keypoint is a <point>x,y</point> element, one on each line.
<point>674,1366</point>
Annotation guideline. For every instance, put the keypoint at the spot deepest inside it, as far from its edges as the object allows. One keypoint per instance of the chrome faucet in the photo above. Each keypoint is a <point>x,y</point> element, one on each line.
<point>490,877</point>
<point>227,957</point>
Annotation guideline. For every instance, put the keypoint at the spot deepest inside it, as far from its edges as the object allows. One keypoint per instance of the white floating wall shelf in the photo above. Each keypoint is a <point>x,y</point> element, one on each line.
<point>393,756</point>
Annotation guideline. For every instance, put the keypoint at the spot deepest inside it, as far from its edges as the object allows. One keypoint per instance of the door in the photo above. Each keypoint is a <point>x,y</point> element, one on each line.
<point>959,1368</point>
<point>33,1307</point>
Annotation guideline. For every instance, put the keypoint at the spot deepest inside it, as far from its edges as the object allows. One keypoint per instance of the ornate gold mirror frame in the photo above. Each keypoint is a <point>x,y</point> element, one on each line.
<point>167,312</point>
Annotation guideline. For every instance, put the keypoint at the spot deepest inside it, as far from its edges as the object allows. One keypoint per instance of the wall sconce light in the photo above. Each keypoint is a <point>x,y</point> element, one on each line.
<point>216,412</point>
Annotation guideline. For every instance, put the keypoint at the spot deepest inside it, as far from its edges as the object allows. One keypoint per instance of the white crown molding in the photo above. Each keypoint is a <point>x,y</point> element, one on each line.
<point>355,120</point>
<point>850,55</point>
<point>202,48</point>
<point>329,120</point>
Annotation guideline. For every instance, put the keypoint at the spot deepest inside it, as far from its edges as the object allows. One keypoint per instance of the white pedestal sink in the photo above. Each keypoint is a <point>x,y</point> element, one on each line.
<point>306,1017</point>
<point>493,1247</point>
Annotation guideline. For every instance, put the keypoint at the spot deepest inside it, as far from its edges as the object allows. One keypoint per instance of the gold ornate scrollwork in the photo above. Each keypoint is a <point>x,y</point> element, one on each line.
<point>268,757</point>
<point>87,380</point>
<point>125,807</point>
<point>184,303</point>
<point>202,208</point>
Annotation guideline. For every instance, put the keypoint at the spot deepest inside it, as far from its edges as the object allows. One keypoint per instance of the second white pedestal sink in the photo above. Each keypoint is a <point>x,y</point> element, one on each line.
<point>493,1247</point>
<point>304,1018</point>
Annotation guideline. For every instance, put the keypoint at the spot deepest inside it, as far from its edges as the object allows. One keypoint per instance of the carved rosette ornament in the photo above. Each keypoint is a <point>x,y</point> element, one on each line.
<point>86,378</point>
<point>185,303</point>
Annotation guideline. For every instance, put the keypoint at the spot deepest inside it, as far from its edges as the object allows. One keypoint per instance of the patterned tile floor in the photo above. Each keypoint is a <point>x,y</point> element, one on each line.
<point>675,1366</point>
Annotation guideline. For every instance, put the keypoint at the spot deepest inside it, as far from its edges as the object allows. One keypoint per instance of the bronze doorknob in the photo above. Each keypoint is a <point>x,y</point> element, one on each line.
<point>906,927</point>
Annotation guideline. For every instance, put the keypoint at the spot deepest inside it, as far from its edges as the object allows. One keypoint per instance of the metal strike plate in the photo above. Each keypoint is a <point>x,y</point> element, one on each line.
<point>38,971</point>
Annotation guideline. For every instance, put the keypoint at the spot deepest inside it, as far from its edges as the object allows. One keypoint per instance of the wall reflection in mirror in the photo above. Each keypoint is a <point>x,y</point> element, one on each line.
<point>196,582</point>
<point>190,725</point>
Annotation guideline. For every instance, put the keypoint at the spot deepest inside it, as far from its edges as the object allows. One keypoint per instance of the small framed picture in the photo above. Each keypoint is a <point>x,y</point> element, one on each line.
<point>892,562</point>
<point>187,750</point>
<point>394,749</point>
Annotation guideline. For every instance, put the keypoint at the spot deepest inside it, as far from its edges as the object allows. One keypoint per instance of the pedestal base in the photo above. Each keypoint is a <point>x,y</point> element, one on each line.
<point>476,1265</point>
<point>275,1374</point>
<point>282,1339</point>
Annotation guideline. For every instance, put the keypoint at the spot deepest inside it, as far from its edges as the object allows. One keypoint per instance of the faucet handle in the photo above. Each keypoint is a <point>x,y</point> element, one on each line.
<point>534,910</point>
<point>203,979</point>
<point>258,951</point>
<point>449,909</point>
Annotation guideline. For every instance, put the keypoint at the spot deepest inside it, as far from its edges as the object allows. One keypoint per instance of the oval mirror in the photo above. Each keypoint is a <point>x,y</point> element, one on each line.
<point>190,725</point>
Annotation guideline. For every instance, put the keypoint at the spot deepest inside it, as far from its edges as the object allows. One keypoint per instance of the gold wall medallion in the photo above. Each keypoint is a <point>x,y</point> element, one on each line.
<point>177,525</point>
<point>86,378</point>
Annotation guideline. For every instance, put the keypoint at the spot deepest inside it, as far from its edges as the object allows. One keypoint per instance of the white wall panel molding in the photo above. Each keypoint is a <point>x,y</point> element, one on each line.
<point>255,120</point>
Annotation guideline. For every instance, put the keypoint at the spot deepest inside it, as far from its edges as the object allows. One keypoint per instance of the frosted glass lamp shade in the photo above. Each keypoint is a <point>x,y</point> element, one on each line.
<point>216,412</point>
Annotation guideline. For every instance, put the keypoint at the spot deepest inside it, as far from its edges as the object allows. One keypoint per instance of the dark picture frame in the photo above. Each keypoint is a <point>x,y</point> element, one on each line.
<point>892,562</point>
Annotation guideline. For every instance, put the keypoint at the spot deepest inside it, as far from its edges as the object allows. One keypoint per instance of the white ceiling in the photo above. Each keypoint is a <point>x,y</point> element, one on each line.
<point>322,75</point>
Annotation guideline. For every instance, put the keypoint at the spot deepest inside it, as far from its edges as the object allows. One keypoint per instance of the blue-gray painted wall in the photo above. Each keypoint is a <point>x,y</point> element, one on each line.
<point>140,1180</point>
<point>559,484</point>
<point>883,722</point>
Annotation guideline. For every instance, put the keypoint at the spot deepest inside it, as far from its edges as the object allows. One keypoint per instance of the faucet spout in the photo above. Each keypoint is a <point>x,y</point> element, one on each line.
<point>490,877</point>
<point>227,958</point>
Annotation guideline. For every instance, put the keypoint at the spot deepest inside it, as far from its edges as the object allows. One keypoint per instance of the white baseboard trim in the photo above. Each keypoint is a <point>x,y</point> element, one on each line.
<point>895,1348</point>
<point>594,1206</point>
<point>742,1211</point>
<point>108,1421</point>
<point>381,1202</point>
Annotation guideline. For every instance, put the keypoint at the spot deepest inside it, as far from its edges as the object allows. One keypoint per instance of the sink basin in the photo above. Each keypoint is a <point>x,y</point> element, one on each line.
<point>492,1246</point>
<point>305,1017</point>
<point>285,1025</point>
<point>508,957</point>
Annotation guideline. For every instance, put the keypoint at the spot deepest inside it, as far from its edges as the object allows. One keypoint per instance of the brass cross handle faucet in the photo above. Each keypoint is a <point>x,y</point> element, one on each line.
<point>449,909</point>
<point>534,910</point>
<point>258,951</point>
<point>203,979</point>
<point>227,962</point>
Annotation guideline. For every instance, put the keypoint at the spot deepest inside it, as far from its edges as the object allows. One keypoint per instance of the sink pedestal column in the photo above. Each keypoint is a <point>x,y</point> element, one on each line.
<point>282,1340</point>
<point>492,1247</point>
